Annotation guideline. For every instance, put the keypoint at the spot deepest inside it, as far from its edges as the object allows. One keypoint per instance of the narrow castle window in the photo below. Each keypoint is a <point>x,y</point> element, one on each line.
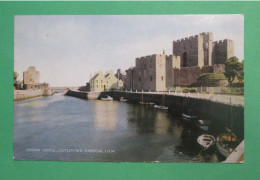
<point>151,78</point>
<point>162,78</point>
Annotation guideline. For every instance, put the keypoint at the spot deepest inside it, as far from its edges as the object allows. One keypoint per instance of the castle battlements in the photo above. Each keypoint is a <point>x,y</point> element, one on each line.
<point>223,41</point>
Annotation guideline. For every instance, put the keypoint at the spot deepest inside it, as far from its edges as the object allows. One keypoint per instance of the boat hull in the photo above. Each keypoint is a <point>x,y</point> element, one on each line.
<point>227,147</point>
<point>143,103</point>
<point>107,99</point>
<point>224,152</point>
<point>206,141</point>
<point>160,107</point>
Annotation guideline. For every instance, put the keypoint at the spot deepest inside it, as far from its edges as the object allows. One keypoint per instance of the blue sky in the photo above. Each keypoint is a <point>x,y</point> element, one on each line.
<point>67,49</point>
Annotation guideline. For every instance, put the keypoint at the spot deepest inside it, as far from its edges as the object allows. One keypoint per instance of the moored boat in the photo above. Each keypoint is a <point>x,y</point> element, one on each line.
<point>189,116</point>
<point>226,143</point>
<point>203,124</point>
<point>122,99</point>
<point>108,98</point>
<point>142,102</point>
<point>160,107</point>
<point>206,140</point>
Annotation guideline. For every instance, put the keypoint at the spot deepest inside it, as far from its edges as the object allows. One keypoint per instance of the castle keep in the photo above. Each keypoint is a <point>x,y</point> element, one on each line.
<point>31,80</point>
<point>194,50</point>
<point>191,57</point>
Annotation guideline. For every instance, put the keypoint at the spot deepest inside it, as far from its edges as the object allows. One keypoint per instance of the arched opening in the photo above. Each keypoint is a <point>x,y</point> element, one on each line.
<point>184,57</point>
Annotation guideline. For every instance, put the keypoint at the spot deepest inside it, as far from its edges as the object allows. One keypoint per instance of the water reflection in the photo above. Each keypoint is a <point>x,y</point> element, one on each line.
<point>133,131</point>
<point>162,123</point>
<point>141,117</point>
<point>106,115</point>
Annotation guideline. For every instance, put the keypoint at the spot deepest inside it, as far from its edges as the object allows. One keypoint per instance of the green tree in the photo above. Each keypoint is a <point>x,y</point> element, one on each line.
<point>232,67</point>
<point>15,77</point>
<point>240,75</point>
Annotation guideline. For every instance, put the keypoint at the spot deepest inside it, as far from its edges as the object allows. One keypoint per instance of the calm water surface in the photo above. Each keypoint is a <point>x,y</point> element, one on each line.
<point>70,129</point>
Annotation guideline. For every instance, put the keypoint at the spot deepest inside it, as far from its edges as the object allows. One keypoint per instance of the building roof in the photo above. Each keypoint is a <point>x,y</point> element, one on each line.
<point>107,75</point>
<point>95,76</point>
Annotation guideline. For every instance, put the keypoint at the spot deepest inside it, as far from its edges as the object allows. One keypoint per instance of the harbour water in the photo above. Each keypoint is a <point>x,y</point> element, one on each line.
<point>65,128</point>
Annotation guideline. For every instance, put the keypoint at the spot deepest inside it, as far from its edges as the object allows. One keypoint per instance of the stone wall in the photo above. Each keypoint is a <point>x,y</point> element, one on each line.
<point>217,112</point>
<point>207,48</point>
<point>26,94</point>
<point>160,74</point>
<point>191,57</point>
<point>185,76</point>
<point>195,50</point>
<point>144,77</point>
<point>83,94</point>
<point>31,76</point>
<point>36,86</point>
<point>222,50</point>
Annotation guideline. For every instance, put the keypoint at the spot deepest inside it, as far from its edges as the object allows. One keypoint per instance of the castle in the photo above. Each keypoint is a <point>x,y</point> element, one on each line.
<point>191,57</point>
<point>31,80</point>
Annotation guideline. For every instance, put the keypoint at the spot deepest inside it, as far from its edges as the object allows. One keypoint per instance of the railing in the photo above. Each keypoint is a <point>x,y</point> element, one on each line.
<point>237,100</point>
<point>213,90</point>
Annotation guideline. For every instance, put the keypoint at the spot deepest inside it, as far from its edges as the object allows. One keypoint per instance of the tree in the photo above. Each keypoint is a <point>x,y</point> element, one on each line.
<point>15,78</point>
<point>240,75</point>
<point>232,67</point>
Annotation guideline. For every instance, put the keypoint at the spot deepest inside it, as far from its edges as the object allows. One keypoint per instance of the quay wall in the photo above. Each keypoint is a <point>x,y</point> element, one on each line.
<point>83,94</point>
<point>26,94</point>
<point>217,112</point>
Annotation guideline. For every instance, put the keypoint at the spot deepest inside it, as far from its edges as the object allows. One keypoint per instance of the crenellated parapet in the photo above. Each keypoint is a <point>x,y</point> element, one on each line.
<point>222,50</point>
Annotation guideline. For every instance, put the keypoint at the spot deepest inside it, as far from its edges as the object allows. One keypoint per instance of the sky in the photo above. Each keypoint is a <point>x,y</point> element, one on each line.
<point>67,50</point>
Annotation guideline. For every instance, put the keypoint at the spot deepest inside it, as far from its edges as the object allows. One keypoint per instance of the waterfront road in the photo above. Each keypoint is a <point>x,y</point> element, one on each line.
<point>222,98</point>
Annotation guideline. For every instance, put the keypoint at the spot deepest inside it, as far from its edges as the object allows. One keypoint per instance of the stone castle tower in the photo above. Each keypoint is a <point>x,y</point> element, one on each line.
<point>31,76</point>
<point>200,50</point>
<point>222,50</point>
<point>191,57</point>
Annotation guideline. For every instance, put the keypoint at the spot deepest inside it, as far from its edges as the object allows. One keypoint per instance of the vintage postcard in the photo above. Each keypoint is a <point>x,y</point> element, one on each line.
<point>135,88</point>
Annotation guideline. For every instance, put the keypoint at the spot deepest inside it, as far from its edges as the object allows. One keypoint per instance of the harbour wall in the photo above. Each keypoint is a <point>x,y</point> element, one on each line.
<point>217,112</point>
<point>83,94</point>
<point>27,94</point>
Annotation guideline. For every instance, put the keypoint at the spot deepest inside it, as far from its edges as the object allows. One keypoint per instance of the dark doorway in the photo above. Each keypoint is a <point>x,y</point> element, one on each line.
<point>184,57</point>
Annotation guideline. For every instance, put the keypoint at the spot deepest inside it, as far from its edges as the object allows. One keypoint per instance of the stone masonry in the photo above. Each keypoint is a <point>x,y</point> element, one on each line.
<point>192,56</point>
<point>222,50</point>
<point>31,80</point>
<point>31,76</point>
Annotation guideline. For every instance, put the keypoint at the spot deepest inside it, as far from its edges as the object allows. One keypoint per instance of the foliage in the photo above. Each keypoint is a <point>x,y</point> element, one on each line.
<point>210,79</point>
<point>15,77</point>
<point>232,68</point>
<point>186,90</point>
<point>233,90</point>
<point>240,74</point>
<point>239,84</point>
